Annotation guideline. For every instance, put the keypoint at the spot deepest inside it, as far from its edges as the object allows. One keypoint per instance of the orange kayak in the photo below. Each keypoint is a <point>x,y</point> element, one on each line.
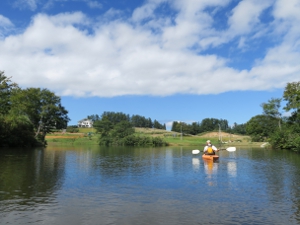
<point>210,157</point>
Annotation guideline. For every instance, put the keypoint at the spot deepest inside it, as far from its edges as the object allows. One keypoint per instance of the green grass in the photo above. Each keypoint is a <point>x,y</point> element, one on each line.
<point>173,138</point>
<point>86,130</point>
<point>186,141</point>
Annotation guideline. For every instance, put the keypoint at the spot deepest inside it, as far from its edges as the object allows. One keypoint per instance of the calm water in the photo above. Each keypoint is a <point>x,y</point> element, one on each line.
<point>93,185</point>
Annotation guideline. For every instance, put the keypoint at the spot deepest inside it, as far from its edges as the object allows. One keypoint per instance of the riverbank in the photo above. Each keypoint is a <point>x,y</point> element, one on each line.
<point>88,136</point>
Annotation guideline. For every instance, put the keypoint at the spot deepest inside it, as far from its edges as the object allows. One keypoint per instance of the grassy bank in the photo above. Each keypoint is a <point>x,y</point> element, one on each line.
<point>88,136</point>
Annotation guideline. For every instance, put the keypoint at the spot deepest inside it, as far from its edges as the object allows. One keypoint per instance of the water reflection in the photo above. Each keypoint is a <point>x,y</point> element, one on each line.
<point>196,163</point>
<point>210,168</point>
<point>147,186</point>
<point>169,160</point>
<point>231,168</point>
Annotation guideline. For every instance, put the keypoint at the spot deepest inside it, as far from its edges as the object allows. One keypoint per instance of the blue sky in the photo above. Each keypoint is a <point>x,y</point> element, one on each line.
<point>170,60</point>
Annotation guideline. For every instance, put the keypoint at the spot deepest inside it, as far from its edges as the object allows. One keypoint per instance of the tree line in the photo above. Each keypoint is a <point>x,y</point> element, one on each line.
<point>117,128</point>
<point>27,115</point>
<point>135,120</point>
<point>206,125</point>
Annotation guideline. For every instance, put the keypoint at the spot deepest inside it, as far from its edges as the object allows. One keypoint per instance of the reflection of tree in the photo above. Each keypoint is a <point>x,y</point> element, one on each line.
<point>25,175</point>
<point>111,162</point>
<point>115,161</point>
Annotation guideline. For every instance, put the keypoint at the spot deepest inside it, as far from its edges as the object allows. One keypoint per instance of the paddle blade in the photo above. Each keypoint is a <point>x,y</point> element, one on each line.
<point>196,151</point>
<point>231,149</point>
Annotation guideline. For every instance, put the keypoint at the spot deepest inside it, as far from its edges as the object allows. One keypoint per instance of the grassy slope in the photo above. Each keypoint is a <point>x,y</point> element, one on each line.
<point>173,138</point>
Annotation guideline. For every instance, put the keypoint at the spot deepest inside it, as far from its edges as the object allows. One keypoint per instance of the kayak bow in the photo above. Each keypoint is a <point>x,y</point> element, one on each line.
<point>210,157</point>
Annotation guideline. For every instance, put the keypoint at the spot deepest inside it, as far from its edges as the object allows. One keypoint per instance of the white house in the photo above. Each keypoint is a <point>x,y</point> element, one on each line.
<point>85,123</point>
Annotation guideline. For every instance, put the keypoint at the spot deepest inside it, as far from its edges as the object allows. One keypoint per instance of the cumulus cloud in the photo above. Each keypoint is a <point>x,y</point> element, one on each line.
<point>245,16</point>
<point>76,55</point>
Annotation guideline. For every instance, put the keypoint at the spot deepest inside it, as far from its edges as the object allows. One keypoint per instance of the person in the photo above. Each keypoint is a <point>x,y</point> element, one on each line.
<point>210,149</point>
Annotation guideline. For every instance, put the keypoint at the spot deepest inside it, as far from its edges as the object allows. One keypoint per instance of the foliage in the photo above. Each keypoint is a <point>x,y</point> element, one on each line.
<point>42,107</point>
<point>93,117</point>
<point>103,126</point>
<point>272,109</point>
<point>117,129</point>
<point>260,127</point>
<point>115,117</point>
<point>141,121</point>
<point>290,139</point>
<point>133,140</point>
<point>122,129</point>
<point>238,129</point>
<point>6,89</point>
<point>286,139</point>
<point>136,120</point>
<point>27,115</point>
<point>207,124</point>
<point>72,129</point>
<point>288,135</point>
<point>292,96</point>
<point>16,131</point>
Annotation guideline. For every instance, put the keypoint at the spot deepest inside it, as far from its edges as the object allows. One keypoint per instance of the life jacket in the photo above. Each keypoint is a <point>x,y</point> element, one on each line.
<point>210,150</point>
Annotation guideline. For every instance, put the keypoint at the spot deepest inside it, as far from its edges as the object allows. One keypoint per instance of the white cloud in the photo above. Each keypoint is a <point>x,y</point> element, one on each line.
<point>94,4</point>
<point>146,11</point>
<point>5,22</point>
<point>26,4</point>
<point>5,26</point>
<point>245,16</point>
<point>287,10</point>
<point>71,54</point>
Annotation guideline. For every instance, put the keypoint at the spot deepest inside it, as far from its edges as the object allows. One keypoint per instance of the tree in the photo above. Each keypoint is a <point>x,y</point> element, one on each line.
<point>239,128</point>
<point>292,96</point>
<point>272,109</point>
<point>103,126</point>
<point>16,131</point>
<point>6,89</point>
<point>122,129</point>
<point>93,117</point>
<point>260,127</point>
<point>42,107</point>
<point>115,117</point>
<point>158,125</point>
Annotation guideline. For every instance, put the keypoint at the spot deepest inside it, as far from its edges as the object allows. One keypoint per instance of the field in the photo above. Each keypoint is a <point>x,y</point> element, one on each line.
<point>88,136</point>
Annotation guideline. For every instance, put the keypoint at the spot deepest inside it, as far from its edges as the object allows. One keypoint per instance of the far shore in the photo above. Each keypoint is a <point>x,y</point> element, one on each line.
<point>88,136</point>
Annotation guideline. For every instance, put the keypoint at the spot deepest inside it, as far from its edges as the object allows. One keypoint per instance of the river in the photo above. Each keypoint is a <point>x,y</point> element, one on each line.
<point>143,186</point>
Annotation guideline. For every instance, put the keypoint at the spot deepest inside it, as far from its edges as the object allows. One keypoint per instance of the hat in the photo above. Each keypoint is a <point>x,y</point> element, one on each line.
<point>208,141</point>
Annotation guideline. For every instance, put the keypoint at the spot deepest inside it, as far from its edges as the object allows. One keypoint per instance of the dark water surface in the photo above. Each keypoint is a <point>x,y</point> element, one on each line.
<point>93,185</point>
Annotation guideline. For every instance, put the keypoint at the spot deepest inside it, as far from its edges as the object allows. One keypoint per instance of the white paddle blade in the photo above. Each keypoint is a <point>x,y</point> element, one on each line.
<point>231,149</point>
<point>196,151</point>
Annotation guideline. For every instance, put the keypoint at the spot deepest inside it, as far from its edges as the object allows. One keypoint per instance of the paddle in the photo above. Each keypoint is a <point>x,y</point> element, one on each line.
<point>229,149</point>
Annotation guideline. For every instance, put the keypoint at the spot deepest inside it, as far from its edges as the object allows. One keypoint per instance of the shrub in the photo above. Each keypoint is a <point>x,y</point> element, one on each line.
<point>72,129</point>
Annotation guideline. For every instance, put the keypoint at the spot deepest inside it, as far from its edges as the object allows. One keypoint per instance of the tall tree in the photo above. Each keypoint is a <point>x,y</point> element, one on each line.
<point>103,126</point>
<point>6,89</point>
<point>94,117</point>
<point>260,127</point>
<point>272,108</point>
<point>42,107</point>
<point>292,96</point>
<point>115,117</point>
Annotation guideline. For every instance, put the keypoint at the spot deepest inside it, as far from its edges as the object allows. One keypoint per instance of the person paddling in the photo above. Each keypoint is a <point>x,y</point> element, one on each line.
<point>210,149</point>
